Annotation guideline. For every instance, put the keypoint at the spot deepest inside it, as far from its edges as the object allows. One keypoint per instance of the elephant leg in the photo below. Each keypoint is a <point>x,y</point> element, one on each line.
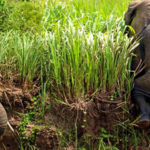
<point>144,108</point>
<point>3,119</point>
<point>140,99</point>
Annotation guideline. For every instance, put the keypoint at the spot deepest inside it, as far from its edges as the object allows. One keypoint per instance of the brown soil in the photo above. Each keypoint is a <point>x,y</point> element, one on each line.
<point>88,115</point>
<point>46,139</point>
<point>15,100</point>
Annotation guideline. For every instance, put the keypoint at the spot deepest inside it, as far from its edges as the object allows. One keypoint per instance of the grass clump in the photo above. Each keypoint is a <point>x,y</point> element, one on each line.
<point>23,52</point>
<point>88,53</point>
<point>79,53</point>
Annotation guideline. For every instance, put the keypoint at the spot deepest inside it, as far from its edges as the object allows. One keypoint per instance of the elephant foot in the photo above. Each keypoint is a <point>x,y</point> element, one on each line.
<point>143,122</point>
<point>144,107</point>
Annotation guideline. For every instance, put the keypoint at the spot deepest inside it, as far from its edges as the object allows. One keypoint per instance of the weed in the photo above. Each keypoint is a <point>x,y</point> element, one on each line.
<point>27,128</point>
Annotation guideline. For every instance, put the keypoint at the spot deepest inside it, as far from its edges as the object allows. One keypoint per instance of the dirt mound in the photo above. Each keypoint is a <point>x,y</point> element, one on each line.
<point>46,139</point>
<point>89,116</point>
<point>15,101</point>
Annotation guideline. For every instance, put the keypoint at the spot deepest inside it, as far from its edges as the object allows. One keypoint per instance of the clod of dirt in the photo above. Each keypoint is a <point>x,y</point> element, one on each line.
<point>46,139</point>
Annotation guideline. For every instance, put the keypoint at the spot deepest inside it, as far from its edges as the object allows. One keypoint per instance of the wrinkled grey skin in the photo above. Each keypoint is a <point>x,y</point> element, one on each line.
<point>3,120</point>
<point>138,16</point>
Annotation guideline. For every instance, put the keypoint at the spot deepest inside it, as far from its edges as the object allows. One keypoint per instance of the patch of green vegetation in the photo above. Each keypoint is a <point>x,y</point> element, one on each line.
<point>102,142</point>
<point>26,17</point>
<point>76,61</point>
<point>5,10</point>
<point>21,16</point>
<point>77,51</point>
<point>28,129</point>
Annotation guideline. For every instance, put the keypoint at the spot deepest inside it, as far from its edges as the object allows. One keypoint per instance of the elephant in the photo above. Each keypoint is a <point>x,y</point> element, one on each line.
<point>138,17</point>
<point>3,120</point>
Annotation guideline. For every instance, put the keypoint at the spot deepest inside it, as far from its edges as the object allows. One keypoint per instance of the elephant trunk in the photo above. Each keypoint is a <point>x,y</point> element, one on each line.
<point>3,119</point>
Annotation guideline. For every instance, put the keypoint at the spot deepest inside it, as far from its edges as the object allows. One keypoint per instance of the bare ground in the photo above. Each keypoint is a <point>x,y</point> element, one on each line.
<point>88,115</point>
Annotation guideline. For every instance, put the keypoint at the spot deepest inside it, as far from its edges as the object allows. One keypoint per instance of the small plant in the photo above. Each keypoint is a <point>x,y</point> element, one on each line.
<point>102,138</point>
<point>26,137</point>
<point>27,127</point>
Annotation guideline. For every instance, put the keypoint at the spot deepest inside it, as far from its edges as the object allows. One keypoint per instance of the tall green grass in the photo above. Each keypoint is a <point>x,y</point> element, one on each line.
<point>105,7</point>
<point>22,52</point>
<point>79,53</point>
